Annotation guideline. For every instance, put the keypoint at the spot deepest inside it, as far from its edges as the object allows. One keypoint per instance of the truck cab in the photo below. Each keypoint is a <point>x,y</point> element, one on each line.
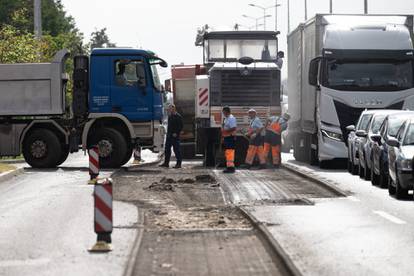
<point>117,105</point>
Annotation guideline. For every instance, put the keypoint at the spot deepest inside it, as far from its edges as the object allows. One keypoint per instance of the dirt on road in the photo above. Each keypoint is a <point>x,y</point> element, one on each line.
<point>188,227</point>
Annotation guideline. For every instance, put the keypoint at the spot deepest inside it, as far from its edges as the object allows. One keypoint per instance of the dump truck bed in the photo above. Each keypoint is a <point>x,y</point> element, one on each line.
<point>32,89</point>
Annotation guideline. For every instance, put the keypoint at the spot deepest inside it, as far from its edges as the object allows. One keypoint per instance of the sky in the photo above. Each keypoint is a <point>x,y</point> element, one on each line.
<point>169,27</point>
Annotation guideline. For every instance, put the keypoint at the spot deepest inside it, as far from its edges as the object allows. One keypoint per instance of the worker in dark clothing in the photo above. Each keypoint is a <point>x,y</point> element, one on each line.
<point>175,125</point>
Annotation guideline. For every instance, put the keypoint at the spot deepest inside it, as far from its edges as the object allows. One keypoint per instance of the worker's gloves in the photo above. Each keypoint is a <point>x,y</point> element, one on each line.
<point>253,136</point>
<point>174,135</point>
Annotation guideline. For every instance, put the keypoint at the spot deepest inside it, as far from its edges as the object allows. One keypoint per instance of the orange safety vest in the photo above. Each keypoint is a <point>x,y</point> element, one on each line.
<point>275,127</point>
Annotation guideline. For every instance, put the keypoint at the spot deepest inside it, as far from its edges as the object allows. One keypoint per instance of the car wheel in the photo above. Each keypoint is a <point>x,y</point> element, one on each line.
<point>391,188</point>
<point>367,175</point>
<point>374,177</point>
<point>361,170</point>
<point>42,149</point>
<point>349,167</point>
<point>400,192</point>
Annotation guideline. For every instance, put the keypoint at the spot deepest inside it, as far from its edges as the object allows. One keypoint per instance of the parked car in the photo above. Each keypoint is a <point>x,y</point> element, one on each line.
<point>400,156</point>
<point>364,145</point>
<point>353,140</point>
<point>389,129</point>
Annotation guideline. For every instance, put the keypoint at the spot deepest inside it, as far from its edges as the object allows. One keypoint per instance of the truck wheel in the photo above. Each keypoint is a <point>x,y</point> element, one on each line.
<point>128,155</point>
<point>112,147</point>
<point>42,149</point>
<point>64,155</point>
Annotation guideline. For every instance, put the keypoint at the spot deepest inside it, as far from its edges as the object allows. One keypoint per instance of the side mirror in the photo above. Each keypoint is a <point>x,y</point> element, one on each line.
<point>350,128</point>
<point>393,142</point>
<point>376,138</point>
<point>361,133</point>
<point>313,71</point>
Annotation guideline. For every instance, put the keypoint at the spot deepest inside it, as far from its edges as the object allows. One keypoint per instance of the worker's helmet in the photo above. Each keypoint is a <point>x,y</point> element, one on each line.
<point>251,110</point>
<point>286,116</point>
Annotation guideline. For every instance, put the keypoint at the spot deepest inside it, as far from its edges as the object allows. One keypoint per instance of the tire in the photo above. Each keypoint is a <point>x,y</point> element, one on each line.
<point>324,164</point>
<point>367,172</point>
<point>391,188</point>
<point>64,155</point>
<point>349,166</point>
<point>128,155</point>
<point>42,149</point>
<point>361,170</point>
<point>374,177</point>
<point>400,192</point>
<point>112,146</point>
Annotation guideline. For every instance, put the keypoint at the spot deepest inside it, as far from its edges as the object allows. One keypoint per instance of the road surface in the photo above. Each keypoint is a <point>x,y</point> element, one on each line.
<point>46,224</point>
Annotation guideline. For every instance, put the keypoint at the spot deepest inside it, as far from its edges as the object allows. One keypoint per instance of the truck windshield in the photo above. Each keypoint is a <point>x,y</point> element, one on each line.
<point>232,50</point>
<point>381,75</point>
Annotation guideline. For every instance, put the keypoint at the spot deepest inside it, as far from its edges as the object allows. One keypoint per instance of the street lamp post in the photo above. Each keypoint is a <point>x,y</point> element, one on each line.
<point>365,6</point>
<point>306,10</point>
<point>264,12</point>
<point>257,19</point>
<point>276,6</point>
<point>288,16</point>
<point>330,7</point>
<point>37,18</point>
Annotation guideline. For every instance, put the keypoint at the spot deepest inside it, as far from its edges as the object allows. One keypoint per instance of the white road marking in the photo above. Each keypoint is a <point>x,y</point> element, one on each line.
<point>352,198</point>
<point>30,262</point>
<point>390,217</point>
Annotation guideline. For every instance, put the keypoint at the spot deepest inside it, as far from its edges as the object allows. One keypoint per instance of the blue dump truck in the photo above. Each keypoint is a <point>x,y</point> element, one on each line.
<point>117,104</point>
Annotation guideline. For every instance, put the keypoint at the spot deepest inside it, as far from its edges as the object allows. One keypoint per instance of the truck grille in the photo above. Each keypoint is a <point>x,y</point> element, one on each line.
<point>348,115</point>
<point>259,88</point>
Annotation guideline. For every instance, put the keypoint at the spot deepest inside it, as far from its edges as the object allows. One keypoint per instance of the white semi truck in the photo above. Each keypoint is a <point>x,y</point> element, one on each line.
<point>339,65</point>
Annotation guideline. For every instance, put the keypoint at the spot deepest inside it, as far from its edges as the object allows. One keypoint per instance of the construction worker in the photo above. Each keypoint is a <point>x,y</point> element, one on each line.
<point>255,136</point>
<point>175,126</point>
<point>228,132</point>
<point>273,137</point>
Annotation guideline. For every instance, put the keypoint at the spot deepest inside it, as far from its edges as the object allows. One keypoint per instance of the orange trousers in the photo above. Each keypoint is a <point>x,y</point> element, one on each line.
<point>229,157</point>
<point>251,154</point>
<point>275,152</point>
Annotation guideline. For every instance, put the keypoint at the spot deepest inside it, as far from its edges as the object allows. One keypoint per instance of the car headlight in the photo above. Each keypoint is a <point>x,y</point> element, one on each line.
<point>406,164</point>
<point>332,135</point>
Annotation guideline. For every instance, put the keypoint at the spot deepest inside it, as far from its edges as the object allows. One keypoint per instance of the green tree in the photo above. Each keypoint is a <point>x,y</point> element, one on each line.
<point>100,39</point>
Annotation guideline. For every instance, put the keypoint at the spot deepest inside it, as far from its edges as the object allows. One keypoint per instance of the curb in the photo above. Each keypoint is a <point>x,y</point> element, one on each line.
<point>11,161</point>
<point>9,175</point>
<point>277,249</point>
<point>325,184</point>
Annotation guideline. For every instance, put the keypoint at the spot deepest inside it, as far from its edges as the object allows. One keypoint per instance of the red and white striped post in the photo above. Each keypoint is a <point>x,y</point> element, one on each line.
<point>103,215</point>
<point>93,164</point>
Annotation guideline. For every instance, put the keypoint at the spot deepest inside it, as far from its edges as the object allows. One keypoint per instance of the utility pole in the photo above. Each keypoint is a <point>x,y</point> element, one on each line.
<point>38,19</point>
<point>288,15</point>
<point>330,7</point>
<point>365,6</point>
<point>276,6</point>
<point>306,10</point>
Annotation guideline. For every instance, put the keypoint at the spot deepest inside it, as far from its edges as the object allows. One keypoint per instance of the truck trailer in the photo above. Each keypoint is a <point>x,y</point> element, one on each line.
<point>338,66</point>
<point>239,71</point>
<point>117,105</point>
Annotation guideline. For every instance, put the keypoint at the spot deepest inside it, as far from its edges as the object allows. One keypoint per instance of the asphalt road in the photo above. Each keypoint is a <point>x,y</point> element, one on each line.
<point>366,233</point>
<point>46,224</point>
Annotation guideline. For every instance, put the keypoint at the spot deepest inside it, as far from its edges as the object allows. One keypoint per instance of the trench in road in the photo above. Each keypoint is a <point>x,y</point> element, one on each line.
<point>189,229</point>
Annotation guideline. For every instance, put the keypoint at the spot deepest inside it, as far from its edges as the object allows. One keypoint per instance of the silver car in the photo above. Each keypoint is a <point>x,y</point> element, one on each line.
<point>400,158</point>
<point>365,142</point>
<point>353,140</point>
